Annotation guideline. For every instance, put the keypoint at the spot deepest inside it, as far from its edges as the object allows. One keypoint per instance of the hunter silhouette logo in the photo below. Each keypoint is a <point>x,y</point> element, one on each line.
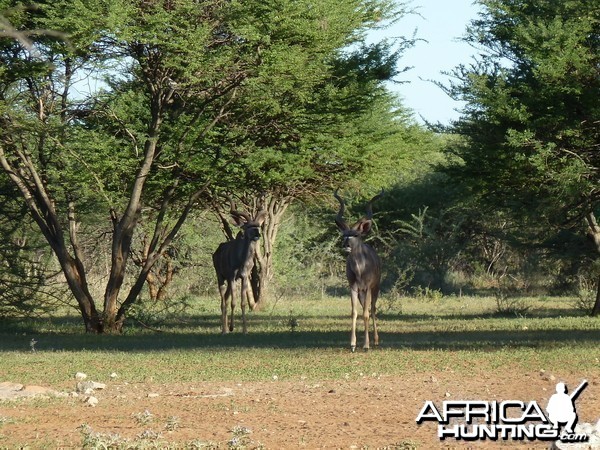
<point>561,406</point>
<point>510,419</point>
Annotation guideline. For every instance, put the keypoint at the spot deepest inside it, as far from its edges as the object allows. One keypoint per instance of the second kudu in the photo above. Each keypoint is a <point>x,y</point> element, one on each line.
<point>363,270</point>
<point>233,260</point>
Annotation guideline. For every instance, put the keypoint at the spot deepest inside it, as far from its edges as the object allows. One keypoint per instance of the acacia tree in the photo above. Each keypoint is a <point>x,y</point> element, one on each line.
<point>180,64</point>
<point>531,119</point>
<point>144,147</point>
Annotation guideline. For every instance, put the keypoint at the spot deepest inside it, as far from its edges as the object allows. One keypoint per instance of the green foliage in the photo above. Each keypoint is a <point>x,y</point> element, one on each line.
<point>531,106</point>
<point>242,97</point>
<point>429,247</point>
<point>308,256</point>
<point>292,135</point>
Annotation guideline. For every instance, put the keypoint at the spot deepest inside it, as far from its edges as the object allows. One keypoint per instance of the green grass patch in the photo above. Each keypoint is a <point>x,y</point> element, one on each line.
<point>304,339</point>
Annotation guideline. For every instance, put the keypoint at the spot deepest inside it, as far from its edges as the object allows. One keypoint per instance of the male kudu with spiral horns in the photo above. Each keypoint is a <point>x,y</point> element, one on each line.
<point>233,260</point>
<point>363,269</point>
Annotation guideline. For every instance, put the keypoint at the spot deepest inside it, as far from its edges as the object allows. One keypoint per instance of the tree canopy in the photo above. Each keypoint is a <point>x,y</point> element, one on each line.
<point>192,98</point>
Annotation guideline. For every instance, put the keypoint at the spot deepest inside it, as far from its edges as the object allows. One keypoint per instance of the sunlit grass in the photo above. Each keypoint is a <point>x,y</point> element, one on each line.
<point>417,336</point>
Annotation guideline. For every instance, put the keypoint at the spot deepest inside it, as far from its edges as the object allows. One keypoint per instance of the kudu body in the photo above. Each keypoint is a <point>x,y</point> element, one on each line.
<point>233,260</point>
<point>363,270</point>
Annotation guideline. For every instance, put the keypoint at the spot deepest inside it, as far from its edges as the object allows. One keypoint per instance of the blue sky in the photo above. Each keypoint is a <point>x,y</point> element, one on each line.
<point>441,23</point>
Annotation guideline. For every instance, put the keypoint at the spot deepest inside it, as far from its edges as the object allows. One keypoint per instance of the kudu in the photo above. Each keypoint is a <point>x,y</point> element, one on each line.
<point>363,270</point>
<point>233,260</point>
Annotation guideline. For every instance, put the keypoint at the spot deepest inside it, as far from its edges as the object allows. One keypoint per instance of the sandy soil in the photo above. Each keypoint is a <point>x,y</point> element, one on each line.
<point>370,412</point>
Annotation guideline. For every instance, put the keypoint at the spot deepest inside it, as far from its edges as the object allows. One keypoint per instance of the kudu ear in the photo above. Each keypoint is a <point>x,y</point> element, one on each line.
<point>363,226</point>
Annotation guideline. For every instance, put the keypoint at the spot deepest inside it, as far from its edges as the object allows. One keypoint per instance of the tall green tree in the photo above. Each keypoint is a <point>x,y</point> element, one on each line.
<point>177,66</point>
<point>531,118</point>
<point>306,115</point>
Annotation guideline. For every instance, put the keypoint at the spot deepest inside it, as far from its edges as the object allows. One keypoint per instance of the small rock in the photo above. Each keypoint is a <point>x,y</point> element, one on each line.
<point>87,387</point>
<point>113,376</point>
<point>10,390</point>
<point>153,395</point>
<point>447,394</point>
<point>7,385</point>
<point>82,386</point>
<point>433,379</point>
<point>91,401</point>
<point>80,376</point>
<point>35,390</point>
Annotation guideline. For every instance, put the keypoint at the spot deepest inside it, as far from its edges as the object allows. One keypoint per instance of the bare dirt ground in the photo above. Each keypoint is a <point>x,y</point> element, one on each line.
<point>369,412</point>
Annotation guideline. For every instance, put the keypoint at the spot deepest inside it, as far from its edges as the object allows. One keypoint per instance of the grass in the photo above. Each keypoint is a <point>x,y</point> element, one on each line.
<point>292,339</point>
<point>304,339</point>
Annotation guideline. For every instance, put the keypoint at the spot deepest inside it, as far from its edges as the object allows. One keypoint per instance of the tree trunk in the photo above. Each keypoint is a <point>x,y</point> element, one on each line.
<point>41,207</point>
<point>27,162</point>
<point>124,227</point>
<point>91,319</point>
<point>263,272</point>
<point>596,308</point>
<point>594,233</point>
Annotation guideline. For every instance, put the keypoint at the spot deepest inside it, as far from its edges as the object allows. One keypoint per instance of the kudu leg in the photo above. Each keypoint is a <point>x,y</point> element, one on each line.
<point>374,315</point>
<point>366,316</point>
<point>232,306</point>
<point>244,297</point>
<point>354,301</point>
<point>224,292</point>
<point>249,295</point>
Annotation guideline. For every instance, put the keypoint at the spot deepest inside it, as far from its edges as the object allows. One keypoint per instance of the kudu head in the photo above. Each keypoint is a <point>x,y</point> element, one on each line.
<point>352,234</point>
<point>249,226</point>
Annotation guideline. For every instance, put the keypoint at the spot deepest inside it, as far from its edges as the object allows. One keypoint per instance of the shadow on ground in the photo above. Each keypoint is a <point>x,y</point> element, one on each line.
<point>202,332</point>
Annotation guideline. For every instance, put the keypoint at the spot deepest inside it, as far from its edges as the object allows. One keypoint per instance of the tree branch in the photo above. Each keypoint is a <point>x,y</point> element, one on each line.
<point>154,256</point>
